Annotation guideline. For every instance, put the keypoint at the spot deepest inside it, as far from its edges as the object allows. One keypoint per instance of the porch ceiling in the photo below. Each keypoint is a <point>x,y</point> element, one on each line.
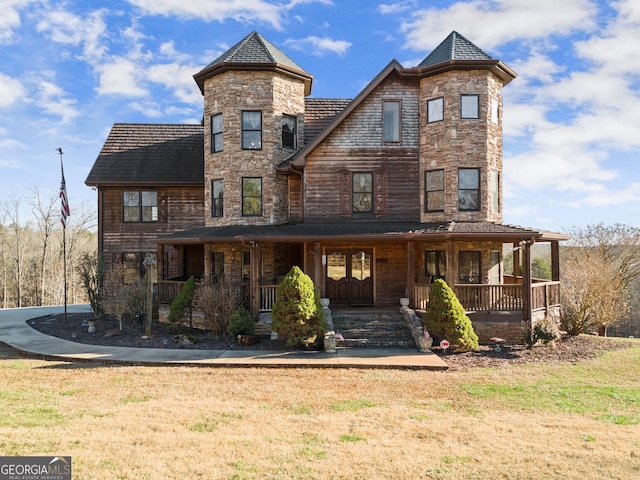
<point>359,231</point>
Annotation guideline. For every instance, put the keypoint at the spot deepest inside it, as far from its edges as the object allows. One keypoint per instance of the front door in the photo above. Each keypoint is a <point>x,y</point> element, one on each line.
<point>350,277</point>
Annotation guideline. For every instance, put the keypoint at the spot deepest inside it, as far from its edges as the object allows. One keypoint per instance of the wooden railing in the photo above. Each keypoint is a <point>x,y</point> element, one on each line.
<point>504,298</point>
<point>545,295</point>
<point>168,290</point>
<point>267,297</point>
<point>501,298</point>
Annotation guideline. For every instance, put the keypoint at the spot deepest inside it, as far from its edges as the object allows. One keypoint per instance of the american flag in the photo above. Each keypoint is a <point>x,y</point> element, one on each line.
<point>64,202</point>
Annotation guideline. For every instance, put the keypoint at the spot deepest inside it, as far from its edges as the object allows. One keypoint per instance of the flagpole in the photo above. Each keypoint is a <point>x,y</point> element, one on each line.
<point>64,210</point>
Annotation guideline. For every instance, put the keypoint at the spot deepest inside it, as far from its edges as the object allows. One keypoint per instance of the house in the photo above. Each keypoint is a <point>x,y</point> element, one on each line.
<point>373,197</point>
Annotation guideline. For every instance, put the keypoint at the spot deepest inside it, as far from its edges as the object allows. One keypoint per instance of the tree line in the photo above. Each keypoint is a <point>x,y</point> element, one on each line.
<point>31,250</point>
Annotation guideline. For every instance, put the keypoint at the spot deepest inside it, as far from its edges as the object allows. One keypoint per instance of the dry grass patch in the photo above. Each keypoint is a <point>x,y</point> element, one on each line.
<point>132,422</point>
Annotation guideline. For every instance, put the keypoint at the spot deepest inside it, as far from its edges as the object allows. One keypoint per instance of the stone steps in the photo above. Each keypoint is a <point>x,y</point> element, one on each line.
<point>372,329</point>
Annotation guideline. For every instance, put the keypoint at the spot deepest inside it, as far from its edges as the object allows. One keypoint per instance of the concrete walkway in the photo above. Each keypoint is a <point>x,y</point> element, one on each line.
<point>15,332</point>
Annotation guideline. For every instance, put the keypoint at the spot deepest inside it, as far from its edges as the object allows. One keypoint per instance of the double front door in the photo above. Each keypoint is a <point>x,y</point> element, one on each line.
<point>349,274</point>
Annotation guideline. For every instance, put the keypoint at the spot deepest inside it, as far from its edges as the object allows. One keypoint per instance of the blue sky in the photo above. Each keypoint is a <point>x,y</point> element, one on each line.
<point>70,69</point>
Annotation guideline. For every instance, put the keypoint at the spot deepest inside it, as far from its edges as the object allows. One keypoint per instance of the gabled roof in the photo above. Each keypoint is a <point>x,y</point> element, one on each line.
<point>254,52</point>
<point>318,113</point>
<point>138,154</point>
<point>393,66</point>
<point>454,47</point>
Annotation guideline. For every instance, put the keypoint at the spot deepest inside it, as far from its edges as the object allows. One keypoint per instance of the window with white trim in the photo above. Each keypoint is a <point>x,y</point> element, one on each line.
<point>435,110</point>
<point>391,120</point>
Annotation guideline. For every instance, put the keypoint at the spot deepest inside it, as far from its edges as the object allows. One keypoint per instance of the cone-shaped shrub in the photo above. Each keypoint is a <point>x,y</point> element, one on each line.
<point>297,315</point>
<point>445,318</point>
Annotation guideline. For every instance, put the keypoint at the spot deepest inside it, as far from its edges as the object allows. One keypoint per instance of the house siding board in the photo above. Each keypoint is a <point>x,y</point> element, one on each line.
<point>356,146</point>
<point>180,208</point>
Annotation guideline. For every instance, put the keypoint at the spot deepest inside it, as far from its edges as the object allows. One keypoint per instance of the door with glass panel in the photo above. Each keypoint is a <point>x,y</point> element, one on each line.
<point>350,277</point>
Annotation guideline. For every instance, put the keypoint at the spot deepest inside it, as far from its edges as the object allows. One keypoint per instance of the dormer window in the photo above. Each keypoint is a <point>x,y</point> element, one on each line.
<point>391,122</point>
<point>251,130</point>
<point>470,106</point>
<point>289,131</point>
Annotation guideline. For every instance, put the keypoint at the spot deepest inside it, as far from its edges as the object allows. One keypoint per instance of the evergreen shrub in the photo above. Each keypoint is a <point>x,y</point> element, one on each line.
<point>297,316</point>
<point>445,318</point>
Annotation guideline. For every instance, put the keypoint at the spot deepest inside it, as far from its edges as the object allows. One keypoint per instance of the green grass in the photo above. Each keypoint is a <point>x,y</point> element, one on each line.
<point>353,405</point>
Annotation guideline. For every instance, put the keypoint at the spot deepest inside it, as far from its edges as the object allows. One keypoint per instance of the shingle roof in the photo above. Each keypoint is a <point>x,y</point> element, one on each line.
<point>257,51</point>
<point>150,153</point>
<point>318,113</point>
<point>254,48</point>
<point>356,230</point>
<point>454,47</point>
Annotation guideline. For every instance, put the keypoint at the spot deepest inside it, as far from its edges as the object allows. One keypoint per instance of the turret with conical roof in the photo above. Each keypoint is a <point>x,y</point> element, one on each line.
<point>461,131</point>
<point>253,115</point>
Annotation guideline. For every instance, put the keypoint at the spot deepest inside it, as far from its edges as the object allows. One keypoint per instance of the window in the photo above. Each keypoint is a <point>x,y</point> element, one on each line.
<point>251,196</point>
<point>435,110</point>
<point>251,130</point>
<point>134,268</point>
<point>217,203</point>
<point>495,110</point>
<point>391,122</point>
<point>495,274</point>
<point>469,106</point>
<point>289,131</point>
<point>435,265</point>
<point>469,267</point>
<point>469,189</point>
<point>217,266</point>
<point>140,206</point>
<point>216,133</point>
<point>362,193</point>
<point>434,190</point>
<point>494,191</point>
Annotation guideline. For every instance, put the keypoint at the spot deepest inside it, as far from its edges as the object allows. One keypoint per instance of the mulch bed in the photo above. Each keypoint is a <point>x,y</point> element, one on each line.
<point>108,333</point>
<point>568,349</point>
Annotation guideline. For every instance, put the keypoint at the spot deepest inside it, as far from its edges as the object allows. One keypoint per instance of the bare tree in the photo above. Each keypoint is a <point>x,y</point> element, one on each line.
<point>43,211</point>
<point>115,293</point>
<point>598,266</point>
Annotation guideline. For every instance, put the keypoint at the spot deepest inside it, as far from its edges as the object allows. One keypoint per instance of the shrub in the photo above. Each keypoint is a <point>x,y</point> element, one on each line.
<point>241,323</point>
<point>545,331</point>
<point>297,316</point>
<point>445,317</point>
<point>181,303</point>
<point>91,271</point>
<point>218,301</point>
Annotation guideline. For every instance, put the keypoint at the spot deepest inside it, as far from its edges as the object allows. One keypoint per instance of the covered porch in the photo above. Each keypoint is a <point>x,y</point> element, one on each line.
<point>370,265</point>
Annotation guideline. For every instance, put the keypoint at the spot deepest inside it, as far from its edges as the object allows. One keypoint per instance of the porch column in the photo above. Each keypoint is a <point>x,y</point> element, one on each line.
<point>527,283</point>
<point>160,261</point>
<point>410,270</point>
<point>516,262</point>
<point>254,277</point>
<point>555,261</point>
<point>317,267</point>
<point>207,262</point>
<point>450,259</point>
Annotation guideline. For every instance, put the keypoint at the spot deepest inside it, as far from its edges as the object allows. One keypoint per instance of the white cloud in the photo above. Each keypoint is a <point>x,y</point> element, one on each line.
<point>121,77</point>
<point>179,78</point>
<point>10,17</point>
<point>246,11</point>
<point>491,23</point>
<point>54,101</point>
<point>319,45</point>
<point>397,7</point>
<point>11,90</point>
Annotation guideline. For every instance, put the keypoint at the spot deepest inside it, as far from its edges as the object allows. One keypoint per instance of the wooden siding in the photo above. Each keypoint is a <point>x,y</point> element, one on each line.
<point>356,146</point>
<point>179,208</point>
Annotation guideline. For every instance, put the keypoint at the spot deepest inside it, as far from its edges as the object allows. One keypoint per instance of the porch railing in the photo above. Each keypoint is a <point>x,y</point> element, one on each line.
<point>545,295</point>
<point>267,297</point>
<point>508,297</point>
